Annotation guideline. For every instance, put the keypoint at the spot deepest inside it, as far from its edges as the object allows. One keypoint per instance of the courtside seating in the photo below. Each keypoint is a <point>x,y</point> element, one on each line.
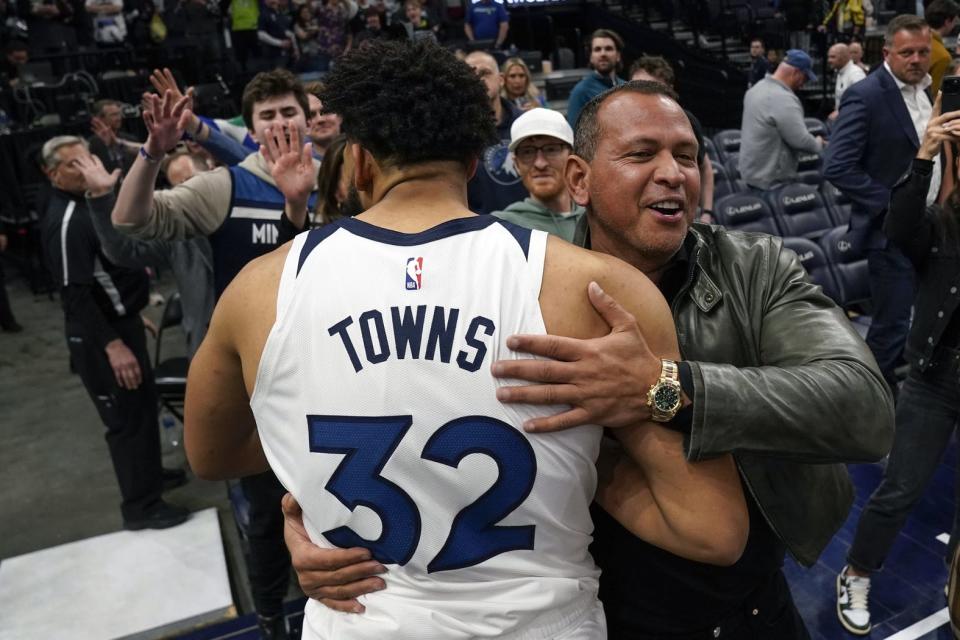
<point>800,211</point>
<point>732,165</point>
<point>727,141</point>
<point>815,262</point>
<point>849,267</point>
<point>721,184</point>
<point>811,177</point>
<point>838,203</point>
<point>816,126</point>
<point>809,161</point>
<point>711,150</point>
<point>745,212</point>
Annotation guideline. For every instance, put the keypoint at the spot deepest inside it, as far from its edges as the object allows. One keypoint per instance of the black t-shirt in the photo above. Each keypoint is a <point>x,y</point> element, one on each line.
<point>649,592</point>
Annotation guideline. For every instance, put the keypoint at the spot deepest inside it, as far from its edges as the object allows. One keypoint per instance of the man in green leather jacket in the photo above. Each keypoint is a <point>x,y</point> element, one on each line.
<point>772,372</point>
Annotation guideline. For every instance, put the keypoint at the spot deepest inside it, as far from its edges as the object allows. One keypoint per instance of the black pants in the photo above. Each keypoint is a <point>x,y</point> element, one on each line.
<point>6,313</point>
<point>892,291</point>
<point>244,46</point>
<point>767,614</point>
<point>928,413</point>
<point>129,416</point>
<point>268,564</point>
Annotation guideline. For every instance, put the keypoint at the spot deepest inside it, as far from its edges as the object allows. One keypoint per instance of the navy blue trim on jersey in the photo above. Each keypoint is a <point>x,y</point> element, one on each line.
<point>258,204</point>
<point>314,238</point>
<point>439,232</point>
<point>520,234</point>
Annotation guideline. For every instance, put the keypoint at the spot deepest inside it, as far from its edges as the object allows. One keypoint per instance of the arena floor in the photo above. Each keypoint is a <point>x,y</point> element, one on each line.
<point>58,487</point>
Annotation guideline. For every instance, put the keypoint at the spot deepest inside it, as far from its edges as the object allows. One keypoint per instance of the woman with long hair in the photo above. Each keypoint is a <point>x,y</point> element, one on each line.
<point>335,198</point>
<point>305,28</point>
<point>518,85</point>
<point>928,408</point>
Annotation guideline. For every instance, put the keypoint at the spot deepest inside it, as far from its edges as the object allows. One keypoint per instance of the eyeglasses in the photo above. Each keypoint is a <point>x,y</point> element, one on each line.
<point>551,151</point>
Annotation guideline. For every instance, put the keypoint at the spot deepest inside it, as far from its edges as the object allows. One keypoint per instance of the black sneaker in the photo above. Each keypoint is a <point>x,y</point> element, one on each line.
<point>173,478</point>
<point>162,516</point>
<point>273,628</point>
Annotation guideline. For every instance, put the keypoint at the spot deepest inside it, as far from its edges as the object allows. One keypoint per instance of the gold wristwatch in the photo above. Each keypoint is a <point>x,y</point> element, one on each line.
<point>665,396</point>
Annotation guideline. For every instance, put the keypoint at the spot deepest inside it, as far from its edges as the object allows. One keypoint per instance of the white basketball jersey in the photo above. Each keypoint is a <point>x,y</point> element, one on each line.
<point>377,411</point>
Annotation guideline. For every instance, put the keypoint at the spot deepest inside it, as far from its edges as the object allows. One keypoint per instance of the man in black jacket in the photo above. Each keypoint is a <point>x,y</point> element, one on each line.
<point>105,336</point>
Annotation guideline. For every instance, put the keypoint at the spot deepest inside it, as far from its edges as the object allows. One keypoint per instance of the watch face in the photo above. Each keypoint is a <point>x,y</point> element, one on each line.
<point>666,398</point>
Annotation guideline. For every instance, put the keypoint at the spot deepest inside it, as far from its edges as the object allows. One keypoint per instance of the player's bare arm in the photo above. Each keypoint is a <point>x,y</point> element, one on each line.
<point>220,435</point>
<point>694,510</point>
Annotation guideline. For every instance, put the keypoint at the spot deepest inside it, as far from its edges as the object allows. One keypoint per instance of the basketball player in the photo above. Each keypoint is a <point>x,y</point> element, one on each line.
<point>364,348</point>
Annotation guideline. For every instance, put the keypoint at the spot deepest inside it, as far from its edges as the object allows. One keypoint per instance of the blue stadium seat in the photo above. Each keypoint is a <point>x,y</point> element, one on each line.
<point>711,150</point>
<point>838,203</point>
<point>815,262</point>
<point>809,161</point>
<point>849,267</point>
<point>811,177</point>
<point>800,211</point>
<point>727,141</point>
<point>732,165</point>
<point>721,184</point>
<point>745,212</point>
<point>816,126</point>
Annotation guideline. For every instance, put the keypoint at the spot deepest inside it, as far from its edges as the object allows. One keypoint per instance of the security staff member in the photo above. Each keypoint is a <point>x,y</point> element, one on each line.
<point>101,305</point>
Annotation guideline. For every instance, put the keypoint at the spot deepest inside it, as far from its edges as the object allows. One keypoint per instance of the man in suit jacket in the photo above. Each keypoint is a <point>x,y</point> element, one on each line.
<point>877,134</point>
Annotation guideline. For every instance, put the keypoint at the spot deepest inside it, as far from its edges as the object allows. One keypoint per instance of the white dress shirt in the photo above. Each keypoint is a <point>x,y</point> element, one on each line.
<point>918,104</point>
<point>848,75</point>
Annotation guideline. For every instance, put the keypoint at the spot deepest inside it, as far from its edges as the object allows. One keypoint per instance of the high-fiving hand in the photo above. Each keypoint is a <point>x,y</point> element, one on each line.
<point>95,177</point>
<point>290,164</point>
<point>166,118</point>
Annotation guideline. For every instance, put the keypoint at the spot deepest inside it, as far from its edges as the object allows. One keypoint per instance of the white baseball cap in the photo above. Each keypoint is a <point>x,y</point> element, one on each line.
<point>540,122</point>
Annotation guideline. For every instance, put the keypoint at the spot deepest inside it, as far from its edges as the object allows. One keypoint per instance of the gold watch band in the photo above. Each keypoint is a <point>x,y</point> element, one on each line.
<point>669,370</point>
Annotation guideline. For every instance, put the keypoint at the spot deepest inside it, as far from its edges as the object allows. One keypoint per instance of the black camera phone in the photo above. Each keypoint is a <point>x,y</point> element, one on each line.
<point>950,90</point>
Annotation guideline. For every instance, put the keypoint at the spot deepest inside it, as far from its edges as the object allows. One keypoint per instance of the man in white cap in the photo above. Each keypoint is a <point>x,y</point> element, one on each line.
<point>541,140</point>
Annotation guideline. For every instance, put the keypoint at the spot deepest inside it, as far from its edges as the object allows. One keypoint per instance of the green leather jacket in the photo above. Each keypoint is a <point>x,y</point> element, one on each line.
<point>782,381</point>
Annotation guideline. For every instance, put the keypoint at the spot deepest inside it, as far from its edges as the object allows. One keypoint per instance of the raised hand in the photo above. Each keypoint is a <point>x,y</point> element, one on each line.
<point>163,81</point>
<point>166,120</point>
<point>97,181</point>
<point>290,164</point>
<point>103,131</point>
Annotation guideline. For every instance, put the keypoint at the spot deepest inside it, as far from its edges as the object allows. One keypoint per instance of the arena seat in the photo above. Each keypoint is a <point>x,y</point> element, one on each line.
<point>809,161</point>
<point>838,203</point>
<point>813,177</point>
<point>170,374</point>
<point>721,183</point>
<point>727,142</point>
<point>849,267</point>
<point>732,164</point>
<point>816,126</point>
<point>745,212</point>
<point>800,211</point>
<point>815,262</point>
<point>711,150</point>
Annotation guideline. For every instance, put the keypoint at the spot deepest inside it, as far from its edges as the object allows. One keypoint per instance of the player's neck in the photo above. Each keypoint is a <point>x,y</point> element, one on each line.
<point>411,202</point>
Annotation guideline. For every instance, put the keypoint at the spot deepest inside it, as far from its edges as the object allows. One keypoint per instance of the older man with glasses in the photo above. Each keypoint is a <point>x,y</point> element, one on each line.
<point>541,140</point>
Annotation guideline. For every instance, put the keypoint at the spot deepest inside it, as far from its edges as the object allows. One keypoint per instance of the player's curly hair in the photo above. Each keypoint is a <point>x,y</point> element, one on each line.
<point>410,102</point>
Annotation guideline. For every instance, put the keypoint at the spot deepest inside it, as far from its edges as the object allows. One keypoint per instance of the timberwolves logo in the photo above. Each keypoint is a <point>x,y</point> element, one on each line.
<point>498,161</point>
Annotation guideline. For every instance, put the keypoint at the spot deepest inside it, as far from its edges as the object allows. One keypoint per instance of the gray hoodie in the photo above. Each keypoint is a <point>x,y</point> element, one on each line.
<point>531,214</point>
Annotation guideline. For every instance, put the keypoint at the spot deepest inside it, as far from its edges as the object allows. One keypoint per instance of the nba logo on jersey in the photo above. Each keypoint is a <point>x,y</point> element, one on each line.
<point>414,273</point>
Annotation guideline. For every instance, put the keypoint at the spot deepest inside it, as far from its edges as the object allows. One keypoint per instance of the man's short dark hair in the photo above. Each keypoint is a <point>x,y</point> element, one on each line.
<point>610,35</point>
<point>587,132</point>
<point>760,40</point>
<point>905,22</point>
<point>410,102</point>
<point>656,66</point>
<point>939,11</point>
<point>271,84</point>
<point>100,105</point>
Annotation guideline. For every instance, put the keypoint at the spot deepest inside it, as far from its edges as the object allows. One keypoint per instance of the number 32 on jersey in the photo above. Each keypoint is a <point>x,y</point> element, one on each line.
<point>367,444</point>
